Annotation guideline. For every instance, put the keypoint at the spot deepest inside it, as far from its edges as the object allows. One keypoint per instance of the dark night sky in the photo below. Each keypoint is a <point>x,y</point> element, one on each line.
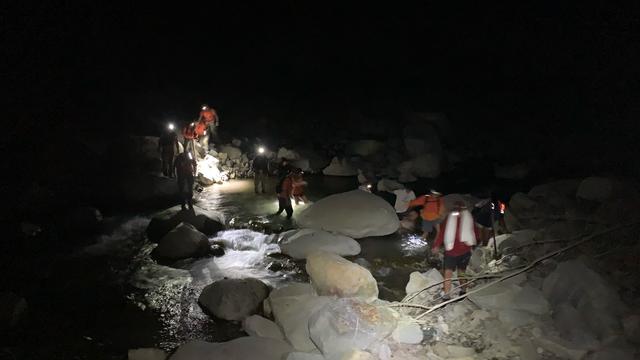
<point>552,67</point>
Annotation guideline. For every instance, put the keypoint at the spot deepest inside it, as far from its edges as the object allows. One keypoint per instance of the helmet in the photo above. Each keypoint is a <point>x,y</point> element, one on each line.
<point>204,107</point>
<point>433,192</point>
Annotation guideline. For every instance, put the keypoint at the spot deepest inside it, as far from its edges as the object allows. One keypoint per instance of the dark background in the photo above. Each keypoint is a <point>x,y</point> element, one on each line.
<point>538,78</point>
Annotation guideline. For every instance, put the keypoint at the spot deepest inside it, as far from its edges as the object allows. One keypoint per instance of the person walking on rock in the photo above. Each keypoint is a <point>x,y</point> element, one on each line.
<point>458,237</point>
<point>432,210</point>
<point>185,166</point>
<point>260,167</point>
<point>485,213</point>
<point>169,148</point>
<point>284,189</point>
<point>209,121</point>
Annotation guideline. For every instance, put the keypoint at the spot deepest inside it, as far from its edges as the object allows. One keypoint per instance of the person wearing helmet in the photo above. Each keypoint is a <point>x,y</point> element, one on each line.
<point>185,167</point>
<point>169,148</point>
<point>457,234</point>
<point>190,136</point>
<point>208,121</point>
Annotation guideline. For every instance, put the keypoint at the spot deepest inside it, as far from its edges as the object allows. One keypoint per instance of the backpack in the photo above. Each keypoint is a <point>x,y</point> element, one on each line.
<point>432,208</point>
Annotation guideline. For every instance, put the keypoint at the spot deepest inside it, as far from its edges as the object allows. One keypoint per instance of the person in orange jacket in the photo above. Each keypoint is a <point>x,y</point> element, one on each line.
<point>298,187</point>
<point>284,190</point>
<point>432,211</point>
<point>208,121</point>
<point>190,136</point>
<point>458,237</point>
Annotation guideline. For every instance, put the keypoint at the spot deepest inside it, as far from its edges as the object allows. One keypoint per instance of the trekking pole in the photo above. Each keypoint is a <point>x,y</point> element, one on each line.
<point>493,229</point>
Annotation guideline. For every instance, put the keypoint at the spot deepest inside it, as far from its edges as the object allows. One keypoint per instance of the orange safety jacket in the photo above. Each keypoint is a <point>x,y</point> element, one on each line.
<point>189,132</point>
<point>432,206</point>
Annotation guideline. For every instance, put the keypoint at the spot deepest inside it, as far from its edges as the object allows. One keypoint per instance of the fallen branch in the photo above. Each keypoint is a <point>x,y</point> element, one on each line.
<point>414,294</point>
<point>528,267</point>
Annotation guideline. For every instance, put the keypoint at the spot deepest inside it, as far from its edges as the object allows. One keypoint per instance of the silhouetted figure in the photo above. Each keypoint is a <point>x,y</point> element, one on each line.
<point>185,166</point>
<point>260,169</point>
<point>169,148</point>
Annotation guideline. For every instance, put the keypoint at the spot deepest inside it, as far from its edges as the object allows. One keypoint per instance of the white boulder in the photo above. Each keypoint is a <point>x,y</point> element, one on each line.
<point>183,242</point>
<point>346,324</point>
<point>333,275</point>
<point>146,354</point>
<point>300,243</point>
<point>356,214</point>
<point>292,313</point>
<point>595,189</point>
<point>243,348</point>
<point>419,281</point>
<point>339,167</point>
<point>256,325</point>
<point>232,152</point>
<point>233,299</point>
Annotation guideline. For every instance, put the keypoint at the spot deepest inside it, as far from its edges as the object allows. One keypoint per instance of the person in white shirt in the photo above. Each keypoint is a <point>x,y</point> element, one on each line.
<point>403,198</point>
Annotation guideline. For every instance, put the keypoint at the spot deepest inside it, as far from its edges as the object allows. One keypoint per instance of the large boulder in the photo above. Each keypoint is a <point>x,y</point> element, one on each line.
<point>346,324</point>
<point>208,222</point>
<point>595,189</point>
<point>256,325</point>
<point>243,348</point>
<point>340,167</point>
<point>183,242</point>
<point>300,243</point>
<point>504,296</point>
<point>232,152</point>
<point>356,214</point>
<point>333,275</point>
<point>364,148</point>
<point>292,313</point>
<point>574,283</point>
<point>234,299</point>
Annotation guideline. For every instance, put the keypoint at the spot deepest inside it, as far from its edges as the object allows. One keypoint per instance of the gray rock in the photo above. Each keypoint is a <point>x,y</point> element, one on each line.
<point>146,354</point>
<point>185,241</point>
<point>206,221</point>
<point>234,299</point>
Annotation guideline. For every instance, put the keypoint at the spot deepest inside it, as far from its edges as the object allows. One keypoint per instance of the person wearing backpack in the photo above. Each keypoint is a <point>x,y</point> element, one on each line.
<point>284,190</point>
<point>432,211</point>
<point>458,237</point>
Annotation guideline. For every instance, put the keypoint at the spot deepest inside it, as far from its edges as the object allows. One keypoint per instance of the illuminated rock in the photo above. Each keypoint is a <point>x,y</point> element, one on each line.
<point>356,214</point>
<point>292,313</point>
<point>300,243</point>
<point>333,275</point>
<point>346,324</point>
